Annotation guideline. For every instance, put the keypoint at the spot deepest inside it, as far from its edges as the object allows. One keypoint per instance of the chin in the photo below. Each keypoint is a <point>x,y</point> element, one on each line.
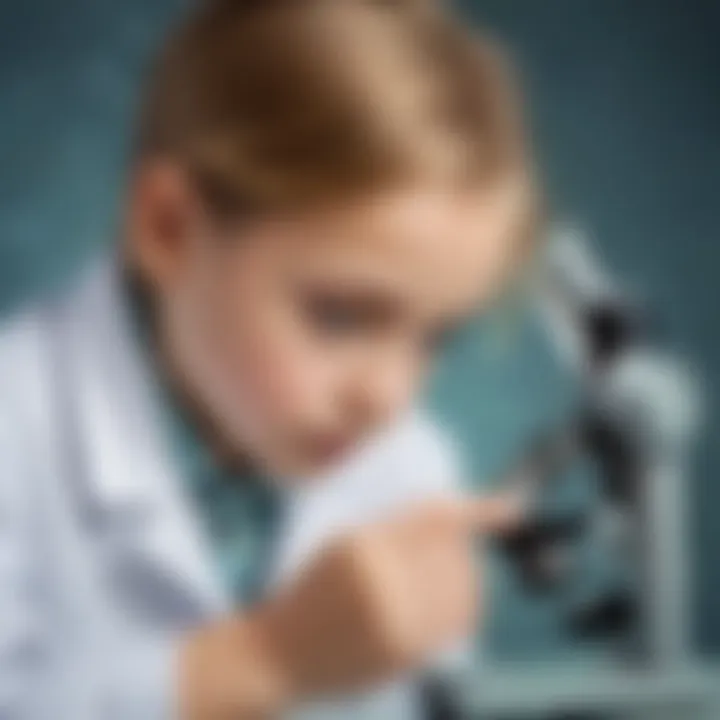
<point>304,470</point>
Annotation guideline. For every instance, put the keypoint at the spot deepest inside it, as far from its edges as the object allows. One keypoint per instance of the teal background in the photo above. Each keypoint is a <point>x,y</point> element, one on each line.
<point>625,103</point>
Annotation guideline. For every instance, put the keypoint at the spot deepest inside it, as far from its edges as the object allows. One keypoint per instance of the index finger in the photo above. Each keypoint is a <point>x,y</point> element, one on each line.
<point>492,514</point>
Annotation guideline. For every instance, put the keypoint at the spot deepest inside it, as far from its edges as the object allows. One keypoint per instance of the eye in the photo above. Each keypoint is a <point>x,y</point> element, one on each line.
<point>339,317</point>
<point>335,319</point>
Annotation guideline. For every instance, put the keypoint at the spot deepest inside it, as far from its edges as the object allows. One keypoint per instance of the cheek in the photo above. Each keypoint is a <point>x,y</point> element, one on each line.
<point>277,375</point>
<point>278,382</point>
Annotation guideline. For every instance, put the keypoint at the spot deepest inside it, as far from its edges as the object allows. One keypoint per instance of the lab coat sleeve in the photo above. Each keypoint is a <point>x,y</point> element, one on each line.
<point>23,648</point>
<point>38,680</point>
<point>142,685</point>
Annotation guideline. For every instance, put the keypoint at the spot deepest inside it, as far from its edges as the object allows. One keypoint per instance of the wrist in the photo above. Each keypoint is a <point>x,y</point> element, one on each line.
<point>263,643</point>
<point>271,641</point>
<point>233,670</point>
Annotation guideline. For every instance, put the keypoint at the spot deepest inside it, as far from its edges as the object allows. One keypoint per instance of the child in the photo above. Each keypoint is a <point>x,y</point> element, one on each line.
<point>217,498</point>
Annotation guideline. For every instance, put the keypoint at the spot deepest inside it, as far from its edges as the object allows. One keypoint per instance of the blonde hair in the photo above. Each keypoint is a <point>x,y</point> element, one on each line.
<point>273,104</point>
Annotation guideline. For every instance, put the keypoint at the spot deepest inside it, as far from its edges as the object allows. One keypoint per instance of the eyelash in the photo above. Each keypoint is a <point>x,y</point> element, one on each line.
<point>333,318</point>
<point>337,319</point>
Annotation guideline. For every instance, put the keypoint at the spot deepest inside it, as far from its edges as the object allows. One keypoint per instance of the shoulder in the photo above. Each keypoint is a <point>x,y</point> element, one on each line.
<point>22,360</point>
<point>29,378</point>
<point>28,342</point>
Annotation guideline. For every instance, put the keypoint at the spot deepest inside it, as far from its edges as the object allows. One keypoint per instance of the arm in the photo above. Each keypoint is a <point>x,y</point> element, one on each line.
<point>23,641</point>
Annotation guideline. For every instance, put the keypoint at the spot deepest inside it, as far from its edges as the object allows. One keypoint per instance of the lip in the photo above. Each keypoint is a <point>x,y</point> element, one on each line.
<point>329,447</point>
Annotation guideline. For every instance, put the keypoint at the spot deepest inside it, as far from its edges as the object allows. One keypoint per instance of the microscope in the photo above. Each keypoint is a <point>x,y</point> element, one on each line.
<point>634,422</point>
<point>636,413</point>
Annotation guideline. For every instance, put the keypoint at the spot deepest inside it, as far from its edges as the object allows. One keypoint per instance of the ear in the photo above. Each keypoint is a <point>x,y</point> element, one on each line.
<point>166,219</point>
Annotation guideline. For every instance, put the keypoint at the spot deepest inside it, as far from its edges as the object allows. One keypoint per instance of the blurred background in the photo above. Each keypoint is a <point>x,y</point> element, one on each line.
<point>625,110</point>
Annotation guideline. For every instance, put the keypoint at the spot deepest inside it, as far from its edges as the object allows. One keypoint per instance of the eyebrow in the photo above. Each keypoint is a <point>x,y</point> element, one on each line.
<point>378,304</point>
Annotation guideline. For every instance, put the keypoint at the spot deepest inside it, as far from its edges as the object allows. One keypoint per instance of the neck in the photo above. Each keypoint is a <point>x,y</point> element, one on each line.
<point>179,387</point>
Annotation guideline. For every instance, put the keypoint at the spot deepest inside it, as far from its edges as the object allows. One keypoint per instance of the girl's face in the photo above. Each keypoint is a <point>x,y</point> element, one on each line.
<point>301,336</point>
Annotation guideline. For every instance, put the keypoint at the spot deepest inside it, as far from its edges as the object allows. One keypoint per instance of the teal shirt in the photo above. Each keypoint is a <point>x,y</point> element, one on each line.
<point>240,511</point>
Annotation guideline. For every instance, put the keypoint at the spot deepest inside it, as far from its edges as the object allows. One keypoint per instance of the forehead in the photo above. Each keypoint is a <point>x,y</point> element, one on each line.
<point>435,249</point>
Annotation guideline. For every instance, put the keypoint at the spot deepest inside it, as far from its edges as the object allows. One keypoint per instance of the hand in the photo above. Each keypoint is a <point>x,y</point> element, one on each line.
<point>373,604</point>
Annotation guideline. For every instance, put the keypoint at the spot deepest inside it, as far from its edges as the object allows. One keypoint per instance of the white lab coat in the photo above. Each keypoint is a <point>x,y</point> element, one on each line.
<point>102,562</point>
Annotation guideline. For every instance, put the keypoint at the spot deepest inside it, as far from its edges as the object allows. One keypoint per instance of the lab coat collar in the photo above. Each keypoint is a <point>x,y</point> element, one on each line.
<point>134,491</point>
